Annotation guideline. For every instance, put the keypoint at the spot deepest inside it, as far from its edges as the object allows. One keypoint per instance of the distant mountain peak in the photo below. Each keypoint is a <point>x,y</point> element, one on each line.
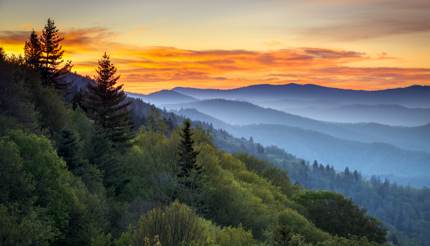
<point>168,93</point>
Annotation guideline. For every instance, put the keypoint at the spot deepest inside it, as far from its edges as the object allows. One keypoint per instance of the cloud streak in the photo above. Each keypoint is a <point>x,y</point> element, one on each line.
<point>368,19</point>
<point>145,69</point>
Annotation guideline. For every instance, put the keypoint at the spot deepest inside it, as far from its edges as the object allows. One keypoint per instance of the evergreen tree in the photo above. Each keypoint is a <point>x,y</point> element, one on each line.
<point>155,121</point>
<point>33,51</point>
<point>103,156</point>
<point>51,58</point>
<point>189,188</point>
<point>107,105</point>
<point>2,55</point>
<point>68,149</point>
<point>187,156</point>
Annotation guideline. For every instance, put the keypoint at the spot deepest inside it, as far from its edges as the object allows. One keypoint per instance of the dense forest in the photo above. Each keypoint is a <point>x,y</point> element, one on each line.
<point>92,167</point>
<point>403,210</point>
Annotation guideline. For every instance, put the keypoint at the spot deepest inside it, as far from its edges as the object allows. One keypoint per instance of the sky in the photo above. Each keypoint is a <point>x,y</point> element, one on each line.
<point>162,44</point>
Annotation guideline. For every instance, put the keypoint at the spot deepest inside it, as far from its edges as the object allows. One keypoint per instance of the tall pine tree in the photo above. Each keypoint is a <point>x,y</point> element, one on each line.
<point>2,54</point>
<point>189,169</point>
<point>107,105</point>
<point>33,51</point>
<point>190,172</point>
<point>68,149</point>
<point>52,70</point>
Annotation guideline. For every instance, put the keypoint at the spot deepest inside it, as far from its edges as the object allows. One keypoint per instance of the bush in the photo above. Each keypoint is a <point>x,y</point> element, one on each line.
<point>339,216</point>
<point>174,225</point>
<point>177,224</point>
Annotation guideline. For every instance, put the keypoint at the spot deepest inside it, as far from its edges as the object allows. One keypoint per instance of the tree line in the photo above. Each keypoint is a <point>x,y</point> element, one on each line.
<point>402,209</point>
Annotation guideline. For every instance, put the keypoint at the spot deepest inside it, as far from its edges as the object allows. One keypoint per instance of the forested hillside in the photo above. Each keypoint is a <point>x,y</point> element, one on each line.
<point>376,157</point>
<point>403,210</point>
<point>95,168</point>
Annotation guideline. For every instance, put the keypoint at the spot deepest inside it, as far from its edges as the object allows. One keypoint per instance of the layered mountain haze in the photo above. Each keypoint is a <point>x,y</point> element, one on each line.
<point>412,96</point>
<point>389,114</point>
<point>244,113</point>
<point>164,97</point>
<point>380,159</point>
<point>399,152</point>
<point>407,106</point>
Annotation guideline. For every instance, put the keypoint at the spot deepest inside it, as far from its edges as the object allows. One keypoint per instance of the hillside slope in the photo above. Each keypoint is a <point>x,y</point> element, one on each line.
<point>368,158</point>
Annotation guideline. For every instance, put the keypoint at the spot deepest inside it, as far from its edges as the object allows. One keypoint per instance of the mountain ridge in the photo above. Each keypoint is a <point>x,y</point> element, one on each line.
<point>245,113</point>
<point>314,145</point>
<point>414,86</point>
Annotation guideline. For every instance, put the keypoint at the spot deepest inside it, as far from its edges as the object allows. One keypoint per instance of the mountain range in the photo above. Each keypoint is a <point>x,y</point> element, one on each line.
<point>402,106</point>
<point>412,96</point>
<point>371,158</point>
<point>400,151</point>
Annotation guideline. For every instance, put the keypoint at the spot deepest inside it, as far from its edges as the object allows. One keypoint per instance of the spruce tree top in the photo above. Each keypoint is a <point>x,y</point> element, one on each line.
<point>51,44</point>
<point>33,51</point>
<point>106,103</point>
<point>186,152</point>
<point>52,57</point>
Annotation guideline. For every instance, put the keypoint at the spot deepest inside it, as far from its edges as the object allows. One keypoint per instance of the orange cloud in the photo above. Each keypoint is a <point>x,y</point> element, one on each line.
<point>146,69</point>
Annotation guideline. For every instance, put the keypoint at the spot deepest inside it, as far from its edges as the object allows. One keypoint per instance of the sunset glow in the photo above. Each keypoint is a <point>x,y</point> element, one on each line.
<point>247,46</point>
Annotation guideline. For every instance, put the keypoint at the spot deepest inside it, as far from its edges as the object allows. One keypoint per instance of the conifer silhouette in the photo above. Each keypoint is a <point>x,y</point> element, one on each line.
<point>107,105</point>
<point>52,71</point>
<point>187,157</point>
<point>33,51</point>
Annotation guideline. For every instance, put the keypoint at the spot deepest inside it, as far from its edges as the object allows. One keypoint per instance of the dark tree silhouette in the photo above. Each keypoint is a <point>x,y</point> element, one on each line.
<point>33,51</point>
<point>189,188</point>
<point>68,149</point>
<point>107,105</point>
<point>2,54</point>
<point>52,70</point>
<point>187,158</point>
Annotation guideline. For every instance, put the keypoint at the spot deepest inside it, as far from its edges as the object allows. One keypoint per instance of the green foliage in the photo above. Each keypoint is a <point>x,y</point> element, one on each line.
<point>151,168</point>
<point>16,105</point>
<point>24,228</point>
<point>46,195</point>
<point>234,236</point>
<point>51,108</point>
<point>403,210</point>
<point>339,216</point>
<point>53,182</point>
<point>189,175</point>
<point>174,225</point>
<point>236,196</point>
<point>105,158</point>
<point>276,176</point>
<point>16,186</point>
<point>155,122</point>
<point>354,241</point>
<point>177,224</point>
<point>69,150</point>
<point>289,225</point>
<point>187,156</point>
